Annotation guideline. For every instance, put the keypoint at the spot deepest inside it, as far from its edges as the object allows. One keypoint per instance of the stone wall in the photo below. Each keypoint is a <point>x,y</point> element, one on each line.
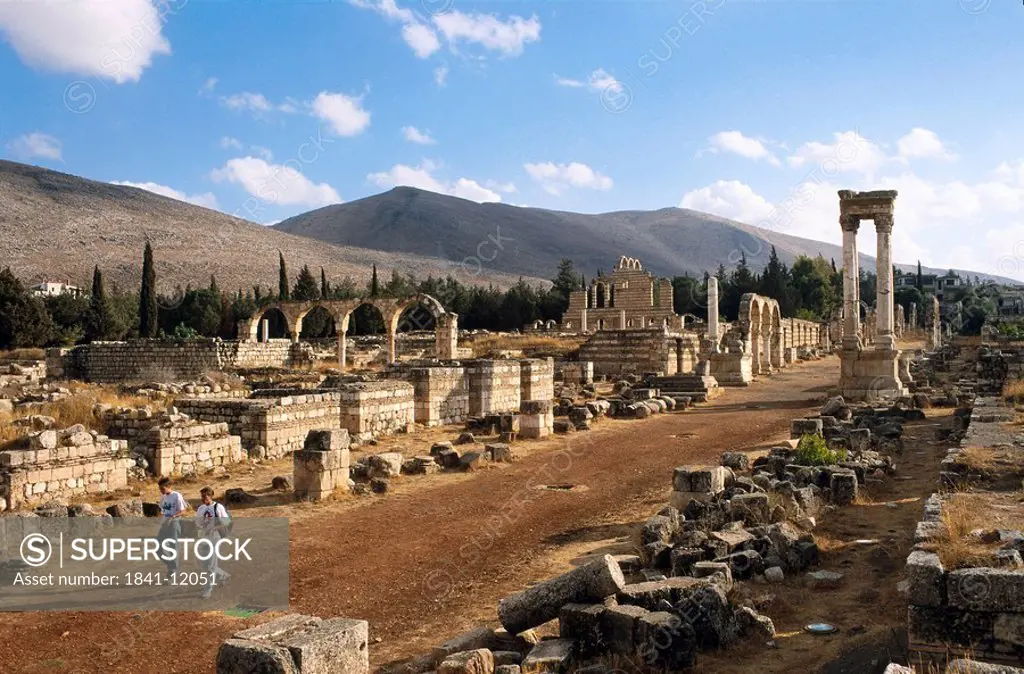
<point>440,393</point>
<point>376,408</point>
<point>572,372</point>
<point>494,386</point>
<point>160,360</point>
<point>190,449</point>
<point>619,352</point>
<point>537,379</point>
<point>62,465</point>
<point>278,424</point>
<point>22,372</point>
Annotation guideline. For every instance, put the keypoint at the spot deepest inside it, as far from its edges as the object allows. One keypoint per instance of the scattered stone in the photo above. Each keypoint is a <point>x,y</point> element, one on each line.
<point>824,580</point>
<point>552,655</point>
<point>479,661</point>
<point>237,495</point>
<point>281,483</point>
<point>736,461</point>
<point>465,438</point>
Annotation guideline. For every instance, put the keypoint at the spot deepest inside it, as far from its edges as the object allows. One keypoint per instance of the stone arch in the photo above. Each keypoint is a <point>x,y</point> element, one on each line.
<point>305,324</point>
<point>551,324</point>
<point>273,315</point>
<point>600,299</point>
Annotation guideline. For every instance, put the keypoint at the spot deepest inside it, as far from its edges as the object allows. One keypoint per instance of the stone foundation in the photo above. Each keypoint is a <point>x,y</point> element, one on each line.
<point>377,408</point>
<point>62,465</point>
<point>321,466</point>
<point>163,361</point>
<point>616,353</point>
<point>732,369</point>
<point>575,373</point>
<point>278,424</point>
<point>536,419</point>
<point>494,386</point>
<point>441,394</point>
<point>537,379</point>
<point>869,374</point>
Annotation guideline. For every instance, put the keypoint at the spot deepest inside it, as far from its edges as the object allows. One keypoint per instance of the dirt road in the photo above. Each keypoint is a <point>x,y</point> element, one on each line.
<point>427,562</point>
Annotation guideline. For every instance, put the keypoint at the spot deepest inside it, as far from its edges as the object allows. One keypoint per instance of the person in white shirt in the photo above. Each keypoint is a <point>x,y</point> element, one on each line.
<point>211,523</point>
<point>172,505</point>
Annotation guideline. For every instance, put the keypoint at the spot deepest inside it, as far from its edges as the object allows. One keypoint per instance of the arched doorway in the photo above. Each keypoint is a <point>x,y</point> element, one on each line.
<point>270,324</point>
<point>318,325</point>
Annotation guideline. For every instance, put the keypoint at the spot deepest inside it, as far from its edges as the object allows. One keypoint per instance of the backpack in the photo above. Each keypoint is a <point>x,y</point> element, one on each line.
<point>223,528</point>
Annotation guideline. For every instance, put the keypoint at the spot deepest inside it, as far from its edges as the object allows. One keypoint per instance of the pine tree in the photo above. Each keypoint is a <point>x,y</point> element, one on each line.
<point>147,296</point>
<point>282,279</point>
<point>214,290</point>
<point>99,321</point>
<point>374,283</point>
<point>325,288</point>
<point>920,277</point>
<point>305,286</point>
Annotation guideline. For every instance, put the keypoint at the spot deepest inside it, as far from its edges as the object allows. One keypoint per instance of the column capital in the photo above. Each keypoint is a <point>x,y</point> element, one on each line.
<point>884,222</point>
<point>849,223</point>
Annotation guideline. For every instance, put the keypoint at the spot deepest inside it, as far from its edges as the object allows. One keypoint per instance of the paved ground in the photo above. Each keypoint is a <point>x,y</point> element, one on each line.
<point>435,557</point>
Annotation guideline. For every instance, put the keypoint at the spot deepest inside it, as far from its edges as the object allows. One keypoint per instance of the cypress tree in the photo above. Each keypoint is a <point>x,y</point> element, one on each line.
<point>98,324</point>
<point>282,279</point>
<point>325,288</point>
<point>147,296</point>
<point>920,277</point>
<point>374,284</point>
<point>305,285</point>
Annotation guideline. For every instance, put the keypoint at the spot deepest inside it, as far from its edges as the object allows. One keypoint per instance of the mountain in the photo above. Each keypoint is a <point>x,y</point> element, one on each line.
<point>55,227</point>
<point>668,241</point>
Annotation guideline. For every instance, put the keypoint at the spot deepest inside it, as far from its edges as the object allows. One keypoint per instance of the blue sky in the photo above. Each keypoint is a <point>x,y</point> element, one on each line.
<point>755,110</point>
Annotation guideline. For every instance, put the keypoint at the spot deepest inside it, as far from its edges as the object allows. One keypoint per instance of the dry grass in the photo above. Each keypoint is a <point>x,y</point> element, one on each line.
<point>23,354</point>
<point>1013,391</point>
<point>964,513</point>
<point>74,409</point>
<point>530,344</point>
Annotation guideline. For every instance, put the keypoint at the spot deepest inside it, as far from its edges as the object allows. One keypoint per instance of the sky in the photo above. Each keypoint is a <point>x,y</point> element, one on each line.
<point>756,110</point>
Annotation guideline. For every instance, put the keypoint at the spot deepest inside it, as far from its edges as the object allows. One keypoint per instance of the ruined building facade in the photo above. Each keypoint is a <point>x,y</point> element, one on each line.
<point>630,298</point>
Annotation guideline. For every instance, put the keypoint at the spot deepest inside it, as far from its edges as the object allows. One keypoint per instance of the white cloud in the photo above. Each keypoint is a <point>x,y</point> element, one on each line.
<point>728,199</point>
<point>276,184</point>
<point>36,144</point>
<point>344,113</point>
<point>262,151</point>
<point>598,81</point>
<point>556,178</point>
<point>507,188</point>
<point>507,37</point>
<point>441,76</point>
<point>208,86</point>
<point>421,38</point>
<point>735,142</point>
<point>229,143</point>
<point>248,101</point>
<point>111,40</point>
<point>206,199</point>
<point>923,144</point>
<point>422,177</point>
<point>849,152</point>
<point>414,135</point>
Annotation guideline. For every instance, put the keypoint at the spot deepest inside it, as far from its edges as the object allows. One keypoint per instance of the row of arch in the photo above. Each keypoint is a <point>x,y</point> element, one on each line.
<point>760,322</point>
<point>394,312</point>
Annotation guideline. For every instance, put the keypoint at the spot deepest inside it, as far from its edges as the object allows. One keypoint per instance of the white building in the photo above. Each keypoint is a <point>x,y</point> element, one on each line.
<point>55,288</point>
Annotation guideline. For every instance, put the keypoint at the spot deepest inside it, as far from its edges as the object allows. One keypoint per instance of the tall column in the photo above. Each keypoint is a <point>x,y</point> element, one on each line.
<point>913,315</point>
<point>341,350</point>
<point>713,336</point>
<point>265,324</point>
<point>851,273</point>
<point>885,334</point>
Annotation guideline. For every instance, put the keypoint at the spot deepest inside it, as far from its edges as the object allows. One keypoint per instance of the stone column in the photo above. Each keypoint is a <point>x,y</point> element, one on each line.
<point>392,347</point>
<point>341,350</point>
<point>851,282</point>
<point>713,336</point>
<point>447,336</point>
<point>622,319</point>
<point>885,332</point>
<point>913,315</point>
<point>265,323</point>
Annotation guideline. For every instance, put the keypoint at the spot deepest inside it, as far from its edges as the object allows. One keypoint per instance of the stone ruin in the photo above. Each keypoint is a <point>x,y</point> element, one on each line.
<point>65,464</point>
<point>868,373</point>
<point>629,299</point>
<point>322,466</point>
<point>298,644</point>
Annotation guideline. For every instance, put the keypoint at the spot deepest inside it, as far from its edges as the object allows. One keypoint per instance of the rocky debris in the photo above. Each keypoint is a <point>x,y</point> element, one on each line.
<point>478,661</point>
<point>535,606</point>
<point>824,580</point>
<point>384,465</point>
<point>737,461</point>
<point>379,485</point>
<point>281,483</point>
<point>237,495</point>
<point>298,644</point>
<point>562,426</point>
<point>420,465</point>
<point>129,508</point>
<point>257,453</point>
<point>753,624</point>
<point>501,452</point>
<point>774,575</point>
<point>465,438</point>
<point>473,461</point>
<point>550,655</point>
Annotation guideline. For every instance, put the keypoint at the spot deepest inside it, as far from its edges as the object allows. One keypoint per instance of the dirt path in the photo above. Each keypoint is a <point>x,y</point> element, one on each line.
<point>425,563</point>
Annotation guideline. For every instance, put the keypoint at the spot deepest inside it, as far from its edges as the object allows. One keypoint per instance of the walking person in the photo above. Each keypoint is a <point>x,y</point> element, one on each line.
<point>172,506</point>
<point>212,524</point>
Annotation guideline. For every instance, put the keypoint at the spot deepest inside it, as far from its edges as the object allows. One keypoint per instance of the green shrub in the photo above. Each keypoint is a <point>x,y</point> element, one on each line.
<point>812,450</point>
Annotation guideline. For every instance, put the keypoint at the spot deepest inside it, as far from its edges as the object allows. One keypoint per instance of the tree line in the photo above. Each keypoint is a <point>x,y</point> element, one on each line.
<point>811,288</point>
